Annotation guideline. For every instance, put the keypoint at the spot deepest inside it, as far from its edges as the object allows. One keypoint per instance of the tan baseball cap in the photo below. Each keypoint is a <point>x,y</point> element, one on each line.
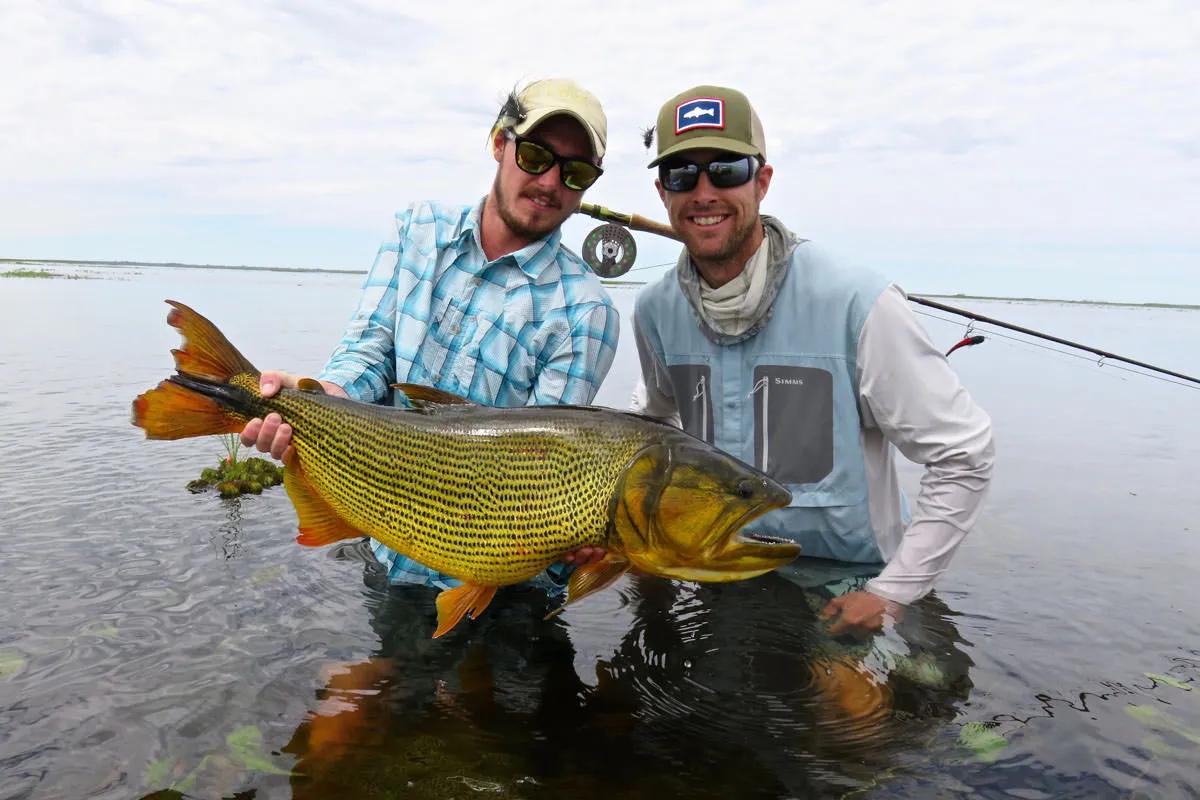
<point>709,117</point>
<point>546,98</point>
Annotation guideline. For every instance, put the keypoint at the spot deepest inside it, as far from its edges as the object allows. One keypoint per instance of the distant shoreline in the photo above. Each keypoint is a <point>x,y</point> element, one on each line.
<point>328,271</point>
<point>179,265</point>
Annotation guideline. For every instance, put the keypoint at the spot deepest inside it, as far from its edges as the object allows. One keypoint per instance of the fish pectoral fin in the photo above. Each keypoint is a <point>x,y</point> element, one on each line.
<point>319,523</point>
<point>453,604</point>
<point>592,578</point>
<point>421,396</point>
<point>310,385</point>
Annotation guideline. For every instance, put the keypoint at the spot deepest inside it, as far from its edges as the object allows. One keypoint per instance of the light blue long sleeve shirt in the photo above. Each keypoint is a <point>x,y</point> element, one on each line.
<point>534,327</point>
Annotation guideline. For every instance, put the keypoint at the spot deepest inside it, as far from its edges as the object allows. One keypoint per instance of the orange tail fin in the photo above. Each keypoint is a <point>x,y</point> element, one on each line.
<point>190,404</point>
<point>206,353</point>
<point>172,412</point>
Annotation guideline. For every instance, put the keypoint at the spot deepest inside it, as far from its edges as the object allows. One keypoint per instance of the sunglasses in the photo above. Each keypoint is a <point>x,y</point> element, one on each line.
<point>681,175</point>
<point>575,173</point>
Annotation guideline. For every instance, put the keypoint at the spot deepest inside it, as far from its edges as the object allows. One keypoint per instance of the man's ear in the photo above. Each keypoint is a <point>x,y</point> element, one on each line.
<point>662,193</point>
<point>498,144</point>
<point>762,180</point>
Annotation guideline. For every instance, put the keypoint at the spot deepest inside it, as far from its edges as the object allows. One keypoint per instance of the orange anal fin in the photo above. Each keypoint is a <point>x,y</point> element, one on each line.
<point>592,578</point>
<point>319,523</point>
<point>206,353</point>
<point>453,604</point>
<point>171,411</point>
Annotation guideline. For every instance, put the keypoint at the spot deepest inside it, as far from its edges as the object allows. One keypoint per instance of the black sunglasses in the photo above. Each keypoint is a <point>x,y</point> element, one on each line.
<point>681,175</point>
<point>575,173</point>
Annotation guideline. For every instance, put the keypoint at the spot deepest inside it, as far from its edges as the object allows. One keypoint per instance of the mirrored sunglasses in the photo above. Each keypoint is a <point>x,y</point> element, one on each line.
<point>681,175</point>
<point>575,173</point>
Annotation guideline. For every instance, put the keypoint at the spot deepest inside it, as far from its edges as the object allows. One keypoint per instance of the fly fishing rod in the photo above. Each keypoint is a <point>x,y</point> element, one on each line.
<point>610,251</point>
<point>1104,354</point>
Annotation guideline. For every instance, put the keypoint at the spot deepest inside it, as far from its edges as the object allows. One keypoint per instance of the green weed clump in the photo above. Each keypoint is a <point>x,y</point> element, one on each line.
<point>233,477</point>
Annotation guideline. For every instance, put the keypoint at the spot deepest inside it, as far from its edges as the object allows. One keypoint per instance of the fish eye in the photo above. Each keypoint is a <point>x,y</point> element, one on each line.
<point>746,489</point>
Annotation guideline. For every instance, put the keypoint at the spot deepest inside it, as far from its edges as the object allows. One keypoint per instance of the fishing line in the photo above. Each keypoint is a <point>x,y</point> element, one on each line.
<point>1101,362</point>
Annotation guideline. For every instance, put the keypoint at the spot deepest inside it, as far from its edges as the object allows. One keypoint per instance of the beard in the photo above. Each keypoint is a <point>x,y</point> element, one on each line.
<point>508,215</point>
<point>720,253</point>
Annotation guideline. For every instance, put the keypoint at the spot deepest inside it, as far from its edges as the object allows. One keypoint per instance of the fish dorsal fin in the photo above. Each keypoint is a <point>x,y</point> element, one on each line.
<point>420,396</point>
<point>205,353</point>
<point>453,604</point>
<point>319,523</point>
<point>592,578</point>
<point>310,385</point>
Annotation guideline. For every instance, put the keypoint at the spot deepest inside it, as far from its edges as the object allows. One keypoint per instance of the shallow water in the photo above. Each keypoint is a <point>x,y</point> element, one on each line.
<point>152,639</point>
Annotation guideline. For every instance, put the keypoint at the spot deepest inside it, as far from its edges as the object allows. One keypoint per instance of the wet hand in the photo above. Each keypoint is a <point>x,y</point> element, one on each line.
<point>270,382</point>
<point>860,612</point>
<point>271,435</point>
<point>584,556</point>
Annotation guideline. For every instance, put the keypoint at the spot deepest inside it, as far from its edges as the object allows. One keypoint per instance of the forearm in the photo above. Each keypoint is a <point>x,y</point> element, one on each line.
<point>363,364</point>
<point>948,506</point>
<point>574,374</point>
<point>910,393</point>
<point>363,368</point>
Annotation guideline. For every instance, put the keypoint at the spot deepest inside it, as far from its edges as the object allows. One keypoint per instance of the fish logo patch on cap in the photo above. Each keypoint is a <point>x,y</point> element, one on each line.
<point>699,112</point>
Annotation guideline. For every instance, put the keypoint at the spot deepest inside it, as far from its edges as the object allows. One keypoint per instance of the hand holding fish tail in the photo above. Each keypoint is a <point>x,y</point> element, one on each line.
<point>271,434</point>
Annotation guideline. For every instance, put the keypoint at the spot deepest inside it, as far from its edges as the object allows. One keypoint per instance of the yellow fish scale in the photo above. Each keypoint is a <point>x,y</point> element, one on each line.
<point>489,499</point>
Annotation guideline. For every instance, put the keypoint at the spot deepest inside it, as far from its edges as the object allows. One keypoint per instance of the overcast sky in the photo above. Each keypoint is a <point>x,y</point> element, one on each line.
<point>1032,149</point>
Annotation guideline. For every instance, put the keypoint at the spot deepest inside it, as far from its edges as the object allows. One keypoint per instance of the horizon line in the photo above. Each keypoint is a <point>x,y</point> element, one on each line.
<point>606,282</point>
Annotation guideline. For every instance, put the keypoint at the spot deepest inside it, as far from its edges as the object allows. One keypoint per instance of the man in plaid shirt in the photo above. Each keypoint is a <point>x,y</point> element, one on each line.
<point>484,301</point>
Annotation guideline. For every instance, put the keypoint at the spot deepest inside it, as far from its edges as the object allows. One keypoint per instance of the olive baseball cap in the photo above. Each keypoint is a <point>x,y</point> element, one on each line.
<point>709,117</point>
<point>546,98</point>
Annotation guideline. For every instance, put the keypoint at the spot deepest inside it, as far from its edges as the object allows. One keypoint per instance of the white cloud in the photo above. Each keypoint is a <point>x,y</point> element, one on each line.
<point>945,126</point>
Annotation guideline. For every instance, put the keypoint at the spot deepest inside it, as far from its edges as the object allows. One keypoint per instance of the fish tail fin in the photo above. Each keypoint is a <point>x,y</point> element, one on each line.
<point>200,400</point>
<point>205,353</point>
<point>174,411</point>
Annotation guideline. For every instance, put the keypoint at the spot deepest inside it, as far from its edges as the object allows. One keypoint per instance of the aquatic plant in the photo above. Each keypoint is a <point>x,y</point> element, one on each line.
<point>10,663</point>
<point>37,273</point>
<point>984,742</point>
<point>246,745</point>
<point>233,478</point>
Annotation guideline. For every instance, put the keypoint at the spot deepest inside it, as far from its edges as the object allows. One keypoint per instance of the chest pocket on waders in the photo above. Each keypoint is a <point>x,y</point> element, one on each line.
<point>793,423</point>
<point>693,396</point>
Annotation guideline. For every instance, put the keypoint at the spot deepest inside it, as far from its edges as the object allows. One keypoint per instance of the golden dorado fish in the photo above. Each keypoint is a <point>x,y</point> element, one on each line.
<point>490,496</point>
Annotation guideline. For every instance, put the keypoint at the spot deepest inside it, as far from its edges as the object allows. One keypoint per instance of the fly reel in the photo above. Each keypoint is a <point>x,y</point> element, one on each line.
<point>609,250</point>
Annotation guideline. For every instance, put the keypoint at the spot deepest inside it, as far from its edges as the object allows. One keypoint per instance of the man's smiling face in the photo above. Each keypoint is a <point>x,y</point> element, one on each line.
<point>717,225</point>
<point>532,206</point>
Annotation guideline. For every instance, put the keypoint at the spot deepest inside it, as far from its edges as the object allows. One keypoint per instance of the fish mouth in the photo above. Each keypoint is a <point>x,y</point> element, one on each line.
<point>762,537</point>
<point>738,554</point>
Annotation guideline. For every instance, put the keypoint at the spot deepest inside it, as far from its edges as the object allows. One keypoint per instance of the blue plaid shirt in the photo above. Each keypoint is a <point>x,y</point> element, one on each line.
<point>533,327</point>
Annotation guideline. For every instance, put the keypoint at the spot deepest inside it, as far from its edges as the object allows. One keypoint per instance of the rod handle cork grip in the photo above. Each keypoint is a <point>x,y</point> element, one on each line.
<point>640,223</point>
<point>633,221</point>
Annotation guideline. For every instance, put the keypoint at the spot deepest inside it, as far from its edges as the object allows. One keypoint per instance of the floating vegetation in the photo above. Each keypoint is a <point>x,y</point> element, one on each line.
<point>10,664</point>
<point>38,273</point>
<point>233,477</point>
<point>985,743</point>
<point>170,771</point>
<point>1169,681</point>
<point>1159,720</point>
<point>246,745</point>
<point>103,630</point>
<point>243,748</point>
